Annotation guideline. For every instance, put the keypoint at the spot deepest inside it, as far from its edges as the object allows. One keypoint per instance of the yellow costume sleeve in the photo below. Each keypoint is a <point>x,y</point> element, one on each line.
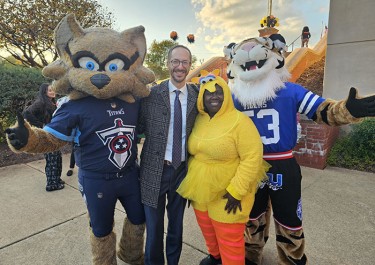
<point>252,167</point>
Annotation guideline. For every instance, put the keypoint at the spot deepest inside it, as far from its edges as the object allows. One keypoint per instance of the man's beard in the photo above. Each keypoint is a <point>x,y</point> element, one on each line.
<point>254,94</point>
<point>179,79</point>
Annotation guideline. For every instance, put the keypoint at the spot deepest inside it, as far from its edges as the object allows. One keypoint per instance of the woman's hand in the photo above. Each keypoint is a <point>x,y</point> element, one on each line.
<point>232,203</point>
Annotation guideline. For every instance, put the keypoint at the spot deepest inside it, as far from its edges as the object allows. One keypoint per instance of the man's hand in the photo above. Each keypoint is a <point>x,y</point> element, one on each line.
<point>360,107</point>
<point>18,135</point>
<point>232,203</point>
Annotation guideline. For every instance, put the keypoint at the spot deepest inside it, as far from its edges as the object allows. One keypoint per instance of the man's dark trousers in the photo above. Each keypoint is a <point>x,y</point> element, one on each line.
<point>154,255</point>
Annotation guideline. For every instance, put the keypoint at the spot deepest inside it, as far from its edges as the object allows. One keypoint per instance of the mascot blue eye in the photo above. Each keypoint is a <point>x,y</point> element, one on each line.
<point>207,78</point>
<point>114,65</point>
<point>88,63</point>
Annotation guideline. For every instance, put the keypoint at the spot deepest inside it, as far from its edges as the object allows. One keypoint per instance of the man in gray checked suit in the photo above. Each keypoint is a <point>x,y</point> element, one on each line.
<point>166,118</point>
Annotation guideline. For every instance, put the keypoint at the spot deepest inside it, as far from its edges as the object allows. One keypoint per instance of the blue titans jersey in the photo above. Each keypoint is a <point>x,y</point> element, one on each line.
<point>276,121</point>
<point>104,132</point>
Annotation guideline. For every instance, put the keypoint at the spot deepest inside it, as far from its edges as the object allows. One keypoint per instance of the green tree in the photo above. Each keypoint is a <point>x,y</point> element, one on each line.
<point>156,58</point>
<point>26,26</point>
<point>18,86</point>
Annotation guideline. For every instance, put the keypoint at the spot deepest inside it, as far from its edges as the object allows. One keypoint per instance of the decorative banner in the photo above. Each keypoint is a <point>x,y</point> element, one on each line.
<point>269,21</point>
<point>190,38</point>
<point>173,35</point>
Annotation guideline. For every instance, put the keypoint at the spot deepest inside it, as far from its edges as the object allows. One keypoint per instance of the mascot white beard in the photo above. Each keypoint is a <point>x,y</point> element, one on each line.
<point>255,87</point>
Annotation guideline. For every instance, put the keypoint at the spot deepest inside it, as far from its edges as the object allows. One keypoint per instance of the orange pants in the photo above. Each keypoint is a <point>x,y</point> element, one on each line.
<point>223,240</point>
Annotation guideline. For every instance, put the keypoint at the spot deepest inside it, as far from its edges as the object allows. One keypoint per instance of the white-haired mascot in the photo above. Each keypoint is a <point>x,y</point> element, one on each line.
<point>258,80</point>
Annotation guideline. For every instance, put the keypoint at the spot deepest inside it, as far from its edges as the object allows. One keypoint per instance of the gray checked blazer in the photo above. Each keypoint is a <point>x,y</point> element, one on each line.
<point>154,123</point>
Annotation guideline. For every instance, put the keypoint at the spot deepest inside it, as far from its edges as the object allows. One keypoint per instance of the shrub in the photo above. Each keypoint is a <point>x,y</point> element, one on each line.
<point>356,150</point>
<point>18,86</point>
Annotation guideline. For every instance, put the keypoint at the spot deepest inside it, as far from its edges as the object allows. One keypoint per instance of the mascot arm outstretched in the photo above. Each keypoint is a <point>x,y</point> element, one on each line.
<point>256,70</point>
<point>351,110</point>
<point>25,138</point>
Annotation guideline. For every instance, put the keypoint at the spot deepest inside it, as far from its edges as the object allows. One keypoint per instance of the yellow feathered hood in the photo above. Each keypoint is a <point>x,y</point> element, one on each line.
<point>208,81</point>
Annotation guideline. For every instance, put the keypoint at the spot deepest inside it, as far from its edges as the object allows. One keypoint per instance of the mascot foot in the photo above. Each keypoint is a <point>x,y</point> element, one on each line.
<point>131,243</point>
<point>103,249</point>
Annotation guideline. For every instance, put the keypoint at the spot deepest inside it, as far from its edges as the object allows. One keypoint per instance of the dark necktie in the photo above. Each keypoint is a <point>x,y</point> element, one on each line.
<point>177,132</point>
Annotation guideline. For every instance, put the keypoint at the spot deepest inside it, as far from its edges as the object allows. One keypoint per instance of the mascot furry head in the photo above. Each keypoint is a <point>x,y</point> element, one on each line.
<point>257,64</point>
<point>99,62</point>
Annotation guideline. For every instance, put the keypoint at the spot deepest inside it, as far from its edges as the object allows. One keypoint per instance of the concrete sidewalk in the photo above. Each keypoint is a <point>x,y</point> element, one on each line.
<point>39,227</point>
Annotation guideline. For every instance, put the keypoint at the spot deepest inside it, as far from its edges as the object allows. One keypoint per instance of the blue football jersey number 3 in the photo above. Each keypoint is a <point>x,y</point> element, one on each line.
<point>273,127</point>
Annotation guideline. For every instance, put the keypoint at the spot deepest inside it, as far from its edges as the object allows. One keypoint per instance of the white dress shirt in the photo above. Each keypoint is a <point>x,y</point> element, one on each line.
<point>183,100</point>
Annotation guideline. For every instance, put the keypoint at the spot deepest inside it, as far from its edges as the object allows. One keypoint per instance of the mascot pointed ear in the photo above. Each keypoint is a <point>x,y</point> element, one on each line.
<point>203,72</point>
<point>137,36</point>
<point>228,50</point>
<point>67,29</point>
<point>279,43</point>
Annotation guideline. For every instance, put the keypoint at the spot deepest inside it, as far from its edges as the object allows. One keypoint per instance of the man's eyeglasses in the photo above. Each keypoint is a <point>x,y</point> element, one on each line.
<point>176,63</point>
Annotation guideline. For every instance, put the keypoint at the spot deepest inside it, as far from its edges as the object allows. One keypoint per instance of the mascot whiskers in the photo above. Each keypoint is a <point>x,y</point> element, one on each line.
<point>102,72</point>
<point>258,81</point>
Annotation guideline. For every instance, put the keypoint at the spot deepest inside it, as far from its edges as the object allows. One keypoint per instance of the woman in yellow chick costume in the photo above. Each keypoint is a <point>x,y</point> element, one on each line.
<point>224,170</point>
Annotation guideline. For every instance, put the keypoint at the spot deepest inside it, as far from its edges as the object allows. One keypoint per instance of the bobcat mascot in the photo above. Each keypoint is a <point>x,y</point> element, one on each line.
<point>258,81</point>
<point>101,70</point>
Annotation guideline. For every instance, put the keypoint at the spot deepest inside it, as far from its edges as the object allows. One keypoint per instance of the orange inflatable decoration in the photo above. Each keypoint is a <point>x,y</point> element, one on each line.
<point>190,38</point>
<point>173,35</point>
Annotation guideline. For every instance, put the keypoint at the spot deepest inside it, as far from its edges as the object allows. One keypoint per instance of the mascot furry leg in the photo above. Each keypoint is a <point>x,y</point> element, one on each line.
<point>131,243</point>
<point>130,250</point>
<point>103,249</point>
<point>256,236</point>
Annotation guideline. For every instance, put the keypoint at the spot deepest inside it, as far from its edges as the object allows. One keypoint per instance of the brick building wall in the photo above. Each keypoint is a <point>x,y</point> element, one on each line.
<point>315,143</point>
<point>212,64</point>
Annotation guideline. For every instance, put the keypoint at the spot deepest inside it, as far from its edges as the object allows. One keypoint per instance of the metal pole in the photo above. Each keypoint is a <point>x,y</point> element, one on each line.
<point>269,13</point>
<point>269,7</point>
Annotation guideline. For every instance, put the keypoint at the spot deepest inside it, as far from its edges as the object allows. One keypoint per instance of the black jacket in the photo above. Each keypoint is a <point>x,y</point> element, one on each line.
<point>39,114</point>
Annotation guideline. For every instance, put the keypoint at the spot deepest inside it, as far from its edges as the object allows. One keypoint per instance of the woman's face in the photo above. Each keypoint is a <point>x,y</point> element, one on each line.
<point>213,101</point>
<point>50,92</point>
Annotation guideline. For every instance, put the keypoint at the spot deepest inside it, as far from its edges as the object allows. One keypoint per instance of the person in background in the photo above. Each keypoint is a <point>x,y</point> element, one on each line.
<point>39,114</point>
<point>224,170</point>
<point>305,36</point>
<point>169,111</point>
<point>72,163</point>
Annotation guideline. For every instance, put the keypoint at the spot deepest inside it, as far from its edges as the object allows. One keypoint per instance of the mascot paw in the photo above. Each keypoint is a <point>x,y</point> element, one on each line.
<point>360,107</point>
<point>17,136</point>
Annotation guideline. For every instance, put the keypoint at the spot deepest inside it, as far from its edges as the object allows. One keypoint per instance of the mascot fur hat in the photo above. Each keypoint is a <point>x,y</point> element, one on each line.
<point>258,81</point>
<point>102,73</point>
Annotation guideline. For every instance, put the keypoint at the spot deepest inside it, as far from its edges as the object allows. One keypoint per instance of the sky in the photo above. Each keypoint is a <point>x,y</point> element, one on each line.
<point>216,23</point>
